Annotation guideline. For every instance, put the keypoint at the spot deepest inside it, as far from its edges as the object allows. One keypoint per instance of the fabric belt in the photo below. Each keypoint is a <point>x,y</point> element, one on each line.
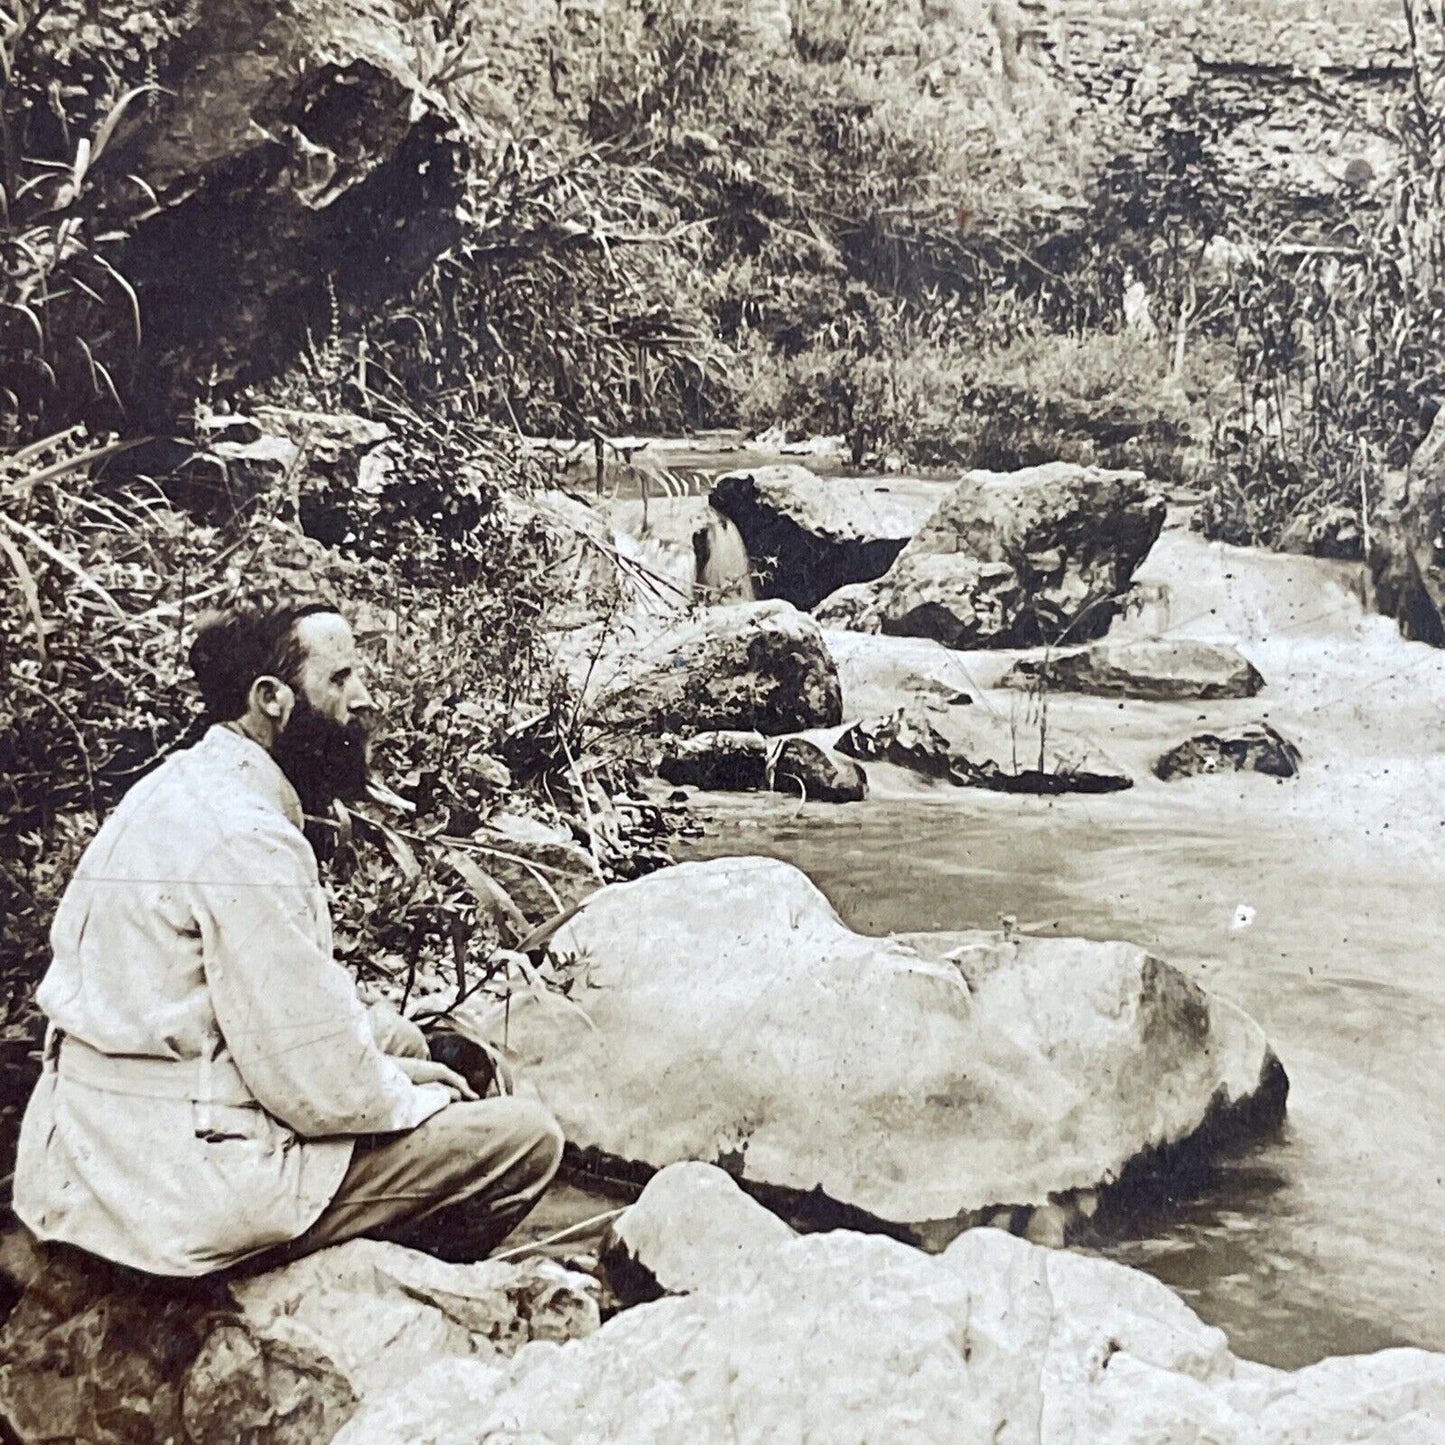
<point>202,1081</point>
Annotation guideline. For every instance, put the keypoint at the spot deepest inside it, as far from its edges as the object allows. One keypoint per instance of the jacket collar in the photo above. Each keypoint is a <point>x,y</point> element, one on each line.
<point>260,769</point>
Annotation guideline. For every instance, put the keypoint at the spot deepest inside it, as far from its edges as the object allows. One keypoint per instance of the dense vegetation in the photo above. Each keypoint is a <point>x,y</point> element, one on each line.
<point>887,222</point>
<point>893,228</point>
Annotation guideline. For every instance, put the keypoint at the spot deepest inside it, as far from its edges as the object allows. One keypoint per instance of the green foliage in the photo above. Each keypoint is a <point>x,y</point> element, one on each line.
<point>1004,395</point>
<point>72,75</point>
<point>103,587</point>
<point>1338,353</point>
<point>858,180</point>
<point>566,307</point>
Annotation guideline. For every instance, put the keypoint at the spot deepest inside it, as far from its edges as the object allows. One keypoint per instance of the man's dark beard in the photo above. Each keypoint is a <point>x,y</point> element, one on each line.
<point>323,759</point>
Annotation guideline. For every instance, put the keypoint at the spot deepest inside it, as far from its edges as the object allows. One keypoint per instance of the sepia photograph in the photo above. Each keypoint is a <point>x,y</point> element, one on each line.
<point>722,722</point>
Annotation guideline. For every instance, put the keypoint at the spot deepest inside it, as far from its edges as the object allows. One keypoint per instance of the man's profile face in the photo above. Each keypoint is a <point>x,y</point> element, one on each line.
<point>330,677</point>
<point>324,748</point>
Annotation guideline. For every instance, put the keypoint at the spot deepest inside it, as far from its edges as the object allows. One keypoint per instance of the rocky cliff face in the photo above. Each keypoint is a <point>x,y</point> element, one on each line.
<point>1407,552</point>
<point>1297,100</point>
<point>297,168</point>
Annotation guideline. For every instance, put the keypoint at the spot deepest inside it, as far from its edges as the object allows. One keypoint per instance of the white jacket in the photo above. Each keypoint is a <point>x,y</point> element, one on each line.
<point>208,1061</point>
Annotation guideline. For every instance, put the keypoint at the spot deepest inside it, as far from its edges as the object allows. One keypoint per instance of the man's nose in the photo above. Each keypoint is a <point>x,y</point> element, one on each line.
<point>362,703</point>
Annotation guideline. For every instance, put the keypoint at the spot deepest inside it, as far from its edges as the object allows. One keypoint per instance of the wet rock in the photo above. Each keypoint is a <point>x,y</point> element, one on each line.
<point>1149,671</point>
<point>1015,559</point>
<point>955,600</point>
<point>950,599</point>
<point>1253,748</point>
<point>1407,552</point>
<point>846,1337</point>
<point>909,1081</point>
<point>802,767</point>
<point>1036,782</point>
<point>759,666</point>
<point>718,761</point>
<point>810,535</point>
<point>104,1355</point>
<point>294,162</point>
<point>689,1227</point>
<point>905,738</point>
<point>1074,535</point>
<point>908,739</point>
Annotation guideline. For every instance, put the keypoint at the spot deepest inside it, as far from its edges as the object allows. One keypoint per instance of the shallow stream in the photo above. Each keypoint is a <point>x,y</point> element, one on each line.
<point>1316,903</point>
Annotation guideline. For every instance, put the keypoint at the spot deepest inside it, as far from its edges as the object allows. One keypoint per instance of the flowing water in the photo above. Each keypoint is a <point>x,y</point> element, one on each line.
<point>1316,903</point>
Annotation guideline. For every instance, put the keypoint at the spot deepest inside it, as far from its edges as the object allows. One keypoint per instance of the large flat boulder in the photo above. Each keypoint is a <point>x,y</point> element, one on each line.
<point>1406,558</point>
<point>815,774</point>
<point>1013,559</point>
<point>1150,670</point>
<point>732,1016</point>
<point>109,1357</point>
<point>749,666</point>
<point>851,1338</point>
<point>809,535</point>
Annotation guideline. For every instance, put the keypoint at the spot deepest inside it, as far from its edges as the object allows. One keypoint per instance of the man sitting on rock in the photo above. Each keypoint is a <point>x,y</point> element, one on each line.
<point>214,1090</point>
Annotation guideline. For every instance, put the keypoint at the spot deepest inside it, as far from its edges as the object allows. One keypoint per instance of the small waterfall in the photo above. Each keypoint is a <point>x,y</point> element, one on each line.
<point>724,573</point>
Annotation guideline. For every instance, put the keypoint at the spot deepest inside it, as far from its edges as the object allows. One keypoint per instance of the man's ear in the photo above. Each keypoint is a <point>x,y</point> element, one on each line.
<point>273,700</point>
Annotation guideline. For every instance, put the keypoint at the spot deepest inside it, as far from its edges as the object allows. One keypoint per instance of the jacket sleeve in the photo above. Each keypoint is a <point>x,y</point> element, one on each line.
<point>289,1013</point>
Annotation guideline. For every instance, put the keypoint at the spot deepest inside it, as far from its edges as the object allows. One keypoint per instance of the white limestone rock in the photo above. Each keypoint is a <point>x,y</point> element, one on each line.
<point>850,1338</point>
<point>380,1312</point>
<point>690,1227</point>
<point>725,1013</point>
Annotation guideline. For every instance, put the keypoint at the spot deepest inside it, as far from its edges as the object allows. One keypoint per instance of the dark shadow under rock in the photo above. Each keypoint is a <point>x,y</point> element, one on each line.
<point>720,761</point>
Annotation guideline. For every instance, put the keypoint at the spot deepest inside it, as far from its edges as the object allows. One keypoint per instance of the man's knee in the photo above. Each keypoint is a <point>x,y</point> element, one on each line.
<point>516,1136</point>
<point>544,1153</point>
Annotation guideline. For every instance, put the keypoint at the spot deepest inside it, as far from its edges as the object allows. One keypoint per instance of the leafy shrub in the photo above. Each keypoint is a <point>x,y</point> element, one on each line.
<point>73,73</point>
<point>96,691</point>
<point>1338,347</point>
<point>948,401</point>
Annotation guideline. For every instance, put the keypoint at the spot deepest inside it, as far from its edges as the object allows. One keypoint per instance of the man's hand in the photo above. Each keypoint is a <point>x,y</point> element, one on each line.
<point>428,1071</point>
<point>395,1035</point>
